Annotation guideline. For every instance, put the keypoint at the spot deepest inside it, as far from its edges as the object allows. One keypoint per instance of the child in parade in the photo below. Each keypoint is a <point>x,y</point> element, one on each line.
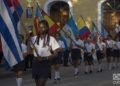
<point>43,45</point>
<point>109,51</point>
<point>89,49</point>
<point>100,53</point>
<point>116,50</point>
<point>76,47</point>
<point>56,62</point>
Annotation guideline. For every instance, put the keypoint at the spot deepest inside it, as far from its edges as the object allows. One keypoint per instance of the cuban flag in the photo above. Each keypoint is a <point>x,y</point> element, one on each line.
<point>10,44</point>
<point>16,10</point>
<point>69,32</point>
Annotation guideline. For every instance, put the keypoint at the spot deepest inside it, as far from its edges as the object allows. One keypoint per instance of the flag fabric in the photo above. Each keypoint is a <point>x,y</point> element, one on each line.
<point>29,12</point>
<point>93,29</point>
<point>84,33</point>
<point>104,33</point>
<point>15,6</point>
<point>94,32</point>
<point>42,15</point>
<point>69,32</point>
<point>83,29</point>
<point>37,18</point>
<point>73,26</point>
<point>80,23</point>
<point>17,11</point>
<point>10,44</point>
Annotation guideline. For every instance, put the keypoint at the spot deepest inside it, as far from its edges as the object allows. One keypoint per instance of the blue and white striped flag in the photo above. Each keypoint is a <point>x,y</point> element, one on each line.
<point>10,44</point>
<point>69,31</point>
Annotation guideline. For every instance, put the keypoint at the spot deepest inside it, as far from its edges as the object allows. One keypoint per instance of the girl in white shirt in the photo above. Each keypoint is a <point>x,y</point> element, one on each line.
<point>44,44</point>
<point>89,49</point>
<point>116,50</point>
<point>109,52</point>
<point>76,47</point>
<point>100,53</point>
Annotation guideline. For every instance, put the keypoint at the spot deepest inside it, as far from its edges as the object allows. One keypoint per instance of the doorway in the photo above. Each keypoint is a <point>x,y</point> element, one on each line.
<point>59,12</point>
<point>111,15</point>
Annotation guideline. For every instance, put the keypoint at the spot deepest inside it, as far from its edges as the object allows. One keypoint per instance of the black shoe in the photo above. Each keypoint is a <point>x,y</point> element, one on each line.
<point>98,71</point>
<point>86,72</point>
<point>65,65</point>
<point>90,72</point>
<point>57,80</point>
<point>101,70</point>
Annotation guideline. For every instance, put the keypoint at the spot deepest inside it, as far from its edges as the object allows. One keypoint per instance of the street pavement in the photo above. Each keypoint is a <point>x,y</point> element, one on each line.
<point>67,78</point>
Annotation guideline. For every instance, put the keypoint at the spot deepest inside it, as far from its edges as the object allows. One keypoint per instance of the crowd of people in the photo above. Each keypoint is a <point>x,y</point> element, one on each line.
<point>44,52</point>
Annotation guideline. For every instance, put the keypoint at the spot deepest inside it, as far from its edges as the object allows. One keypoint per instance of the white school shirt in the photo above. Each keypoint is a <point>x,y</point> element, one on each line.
<point>78,42</point>
<point>101,45</point>
<point>117,29</point>
<point>89,47</point>
<point>46,51</point>
<point>118,44</point>
<point>114,45</point>
<point>110,44</point>
<point>61,44</point>
<point>24,48</point>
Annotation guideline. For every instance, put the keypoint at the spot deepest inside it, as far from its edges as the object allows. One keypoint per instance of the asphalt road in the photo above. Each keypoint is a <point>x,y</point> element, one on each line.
<point>67,79</point>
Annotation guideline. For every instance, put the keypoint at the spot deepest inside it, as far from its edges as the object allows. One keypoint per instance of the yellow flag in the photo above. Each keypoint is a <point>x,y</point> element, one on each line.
<point>80,23</point>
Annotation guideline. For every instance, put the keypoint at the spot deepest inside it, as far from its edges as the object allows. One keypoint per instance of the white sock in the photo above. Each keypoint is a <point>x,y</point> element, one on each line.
<point>19,81</point>
<point>57,74</point>
<point>76,71</point>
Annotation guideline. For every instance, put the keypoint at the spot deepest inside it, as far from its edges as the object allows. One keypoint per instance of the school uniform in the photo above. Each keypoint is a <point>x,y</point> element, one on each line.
<point>99,50</point>
<point>109,50</point>
<point>43,69</point>
<point>76,51</point>
<point>21,65</point>
<point>88,52</point>
<point>117,49</point>
<point>117,30</point>
<point>66,56</point>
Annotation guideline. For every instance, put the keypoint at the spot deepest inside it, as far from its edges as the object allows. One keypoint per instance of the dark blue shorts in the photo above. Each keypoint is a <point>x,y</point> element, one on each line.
<point>41,69</point>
